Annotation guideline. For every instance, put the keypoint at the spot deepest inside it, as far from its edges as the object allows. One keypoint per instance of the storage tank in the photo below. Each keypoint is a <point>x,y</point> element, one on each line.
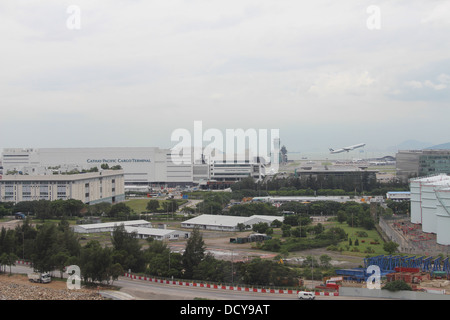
<point>443,216</point>
<point>429,203</point>
<point>418,208</point>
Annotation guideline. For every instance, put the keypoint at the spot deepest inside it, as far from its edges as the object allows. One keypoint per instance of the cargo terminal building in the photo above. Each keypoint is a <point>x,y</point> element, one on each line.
<point>142,166</point>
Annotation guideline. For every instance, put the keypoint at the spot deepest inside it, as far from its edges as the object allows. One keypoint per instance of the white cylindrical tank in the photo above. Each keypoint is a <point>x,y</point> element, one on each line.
<point>416,209</point>
<point>417,198</point>
<point>429,203</point>
<point>443,216</point>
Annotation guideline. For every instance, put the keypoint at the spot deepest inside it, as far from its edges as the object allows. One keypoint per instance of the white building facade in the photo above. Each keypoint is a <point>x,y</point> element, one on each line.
<point>142,166</point>
<point>227,223</point>
<point>90,188</point>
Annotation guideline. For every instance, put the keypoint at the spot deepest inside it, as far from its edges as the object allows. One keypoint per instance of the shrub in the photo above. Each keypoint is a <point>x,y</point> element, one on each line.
<point>397,285</point>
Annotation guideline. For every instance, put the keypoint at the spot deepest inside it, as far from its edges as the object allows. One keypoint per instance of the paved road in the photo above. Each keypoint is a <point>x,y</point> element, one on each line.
<point>142,289</point>
<point>147,290</point>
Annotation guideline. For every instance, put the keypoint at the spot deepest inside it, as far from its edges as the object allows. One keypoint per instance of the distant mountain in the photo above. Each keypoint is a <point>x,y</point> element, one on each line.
<point>411,145</point>
<point>440,146</point>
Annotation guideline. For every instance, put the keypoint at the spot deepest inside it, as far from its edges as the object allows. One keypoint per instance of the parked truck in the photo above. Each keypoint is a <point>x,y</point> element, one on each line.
<point>39,277</point>
<point>331,283</point>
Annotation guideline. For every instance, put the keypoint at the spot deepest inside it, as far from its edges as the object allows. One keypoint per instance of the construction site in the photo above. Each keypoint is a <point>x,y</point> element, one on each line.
<point>422,273</point>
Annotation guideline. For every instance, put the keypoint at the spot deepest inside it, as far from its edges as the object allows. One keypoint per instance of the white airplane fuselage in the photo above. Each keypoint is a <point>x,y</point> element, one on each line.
<point>347,148</point>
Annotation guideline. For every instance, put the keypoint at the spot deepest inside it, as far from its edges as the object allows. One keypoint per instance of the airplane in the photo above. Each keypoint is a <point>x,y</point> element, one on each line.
<point>347,148</point>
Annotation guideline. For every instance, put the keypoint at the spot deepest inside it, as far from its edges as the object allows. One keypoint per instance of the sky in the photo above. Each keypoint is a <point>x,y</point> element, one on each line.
<point>89,73</point>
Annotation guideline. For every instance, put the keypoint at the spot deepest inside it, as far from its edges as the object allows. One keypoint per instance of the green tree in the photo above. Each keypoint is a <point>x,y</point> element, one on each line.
<point>119,210</point>
<point>127,250</point>
<point>397,285</point>
<point>25,235</point>
<point>73,207</point>
<point>170,206</point>
<point>60,260</point>
<point>341,216</point>
<point>325,261</point>
<point>114,271</point>
<point>194,253</point>
<point>260,227</point>
<point>152,205</point>
<point>286,230</point>
<point>45,247</point>
<point>95,262</point>
<point>8,259</point>
<point>212,269</point>
<point>100,208</point>
<point>42,209</point>
<point>390,247</point>
<point>267,273</point>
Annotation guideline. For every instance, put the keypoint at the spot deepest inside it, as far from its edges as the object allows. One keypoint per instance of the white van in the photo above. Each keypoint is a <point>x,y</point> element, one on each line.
<point>306,295</point>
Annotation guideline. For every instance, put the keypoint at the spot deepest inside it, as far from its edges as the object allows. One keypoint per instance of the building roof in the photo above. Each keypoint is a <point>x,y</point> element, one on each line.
<point>227,221</point>
<point>62,177</point>
<point>212,219</point>
<point>399,192</point>
<point>113,224</point>
<point>431,178</point>
<point>265,217</point>
<point>152,231</point>
<point>302,198</point>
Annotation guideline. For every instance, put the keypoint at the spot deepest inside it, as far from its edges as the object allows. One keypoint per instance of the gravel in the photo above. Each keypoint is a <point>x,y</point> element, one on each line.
<point>17,291</point>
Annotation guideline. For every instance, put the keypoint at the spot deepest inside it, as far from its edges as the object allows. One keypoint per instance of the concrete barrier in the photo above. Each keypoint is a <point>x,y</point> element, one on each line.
<point>224,287</point>
<point>386,294</point>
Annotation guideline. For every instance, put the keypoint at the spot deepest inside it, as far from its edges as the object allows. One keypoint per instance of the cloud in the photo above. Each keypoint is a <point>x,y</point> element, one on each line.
<point>441,83</point>
<point>153,66</point>
<point>342,83</point>
<point>438,15</point>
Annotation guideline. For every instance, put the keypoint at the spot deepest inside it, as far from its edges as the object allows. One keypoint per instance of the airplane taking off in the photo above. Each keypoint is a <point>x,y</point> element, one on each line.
<point>347,148</point>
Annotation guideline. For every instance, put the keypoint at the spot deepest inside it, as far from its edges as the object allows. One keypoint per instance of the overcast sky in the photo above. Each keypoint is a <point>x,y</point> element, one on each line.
<point>89,73</point>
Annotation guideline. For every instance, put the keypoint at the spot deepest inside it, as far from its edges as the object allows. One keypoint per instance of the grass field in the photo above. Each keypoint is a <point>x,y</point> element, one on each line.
<point>138,205</point>
<point>364,242</point>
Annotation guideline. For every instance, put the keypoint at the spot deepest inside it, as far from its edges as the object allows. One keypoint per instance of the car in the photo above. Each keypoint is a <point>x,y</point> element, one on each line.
<point>306,295</point>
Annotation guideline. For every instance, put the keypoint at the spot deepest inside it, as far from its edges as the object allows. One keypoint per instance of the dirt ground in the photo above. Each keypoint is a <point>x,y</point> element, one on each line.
<point>10,224</point>
<point>17,287</point>
<point>22,279</point>
<point>219,245</point>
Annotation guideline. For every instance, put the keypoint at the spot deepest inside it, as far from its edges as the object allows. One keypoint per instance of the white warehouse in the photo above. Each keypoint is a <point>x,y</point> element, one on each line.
<point>227,223</point>
<point>430,205</point>
<point>157,233</point>
<point>109,226</point>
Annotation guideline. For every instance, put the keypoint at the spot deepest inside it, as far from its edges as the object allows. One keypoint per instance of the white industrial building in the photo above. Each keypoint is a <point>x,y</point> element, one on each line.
<point>398,195</point>
<point>143,167</point>
<point>430,205</point>
<point>157,233</point>
<point>90,188</point>
<point>142,228</point>
<point>109,226</point>
<point>302,199</point>
<point>227,223</point>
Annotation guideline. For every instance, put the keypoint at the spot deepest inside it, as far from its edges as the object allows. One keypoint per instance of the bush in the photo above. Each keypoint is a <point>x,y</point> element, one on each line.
<point>397,285</point>
<point>362,234</point>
